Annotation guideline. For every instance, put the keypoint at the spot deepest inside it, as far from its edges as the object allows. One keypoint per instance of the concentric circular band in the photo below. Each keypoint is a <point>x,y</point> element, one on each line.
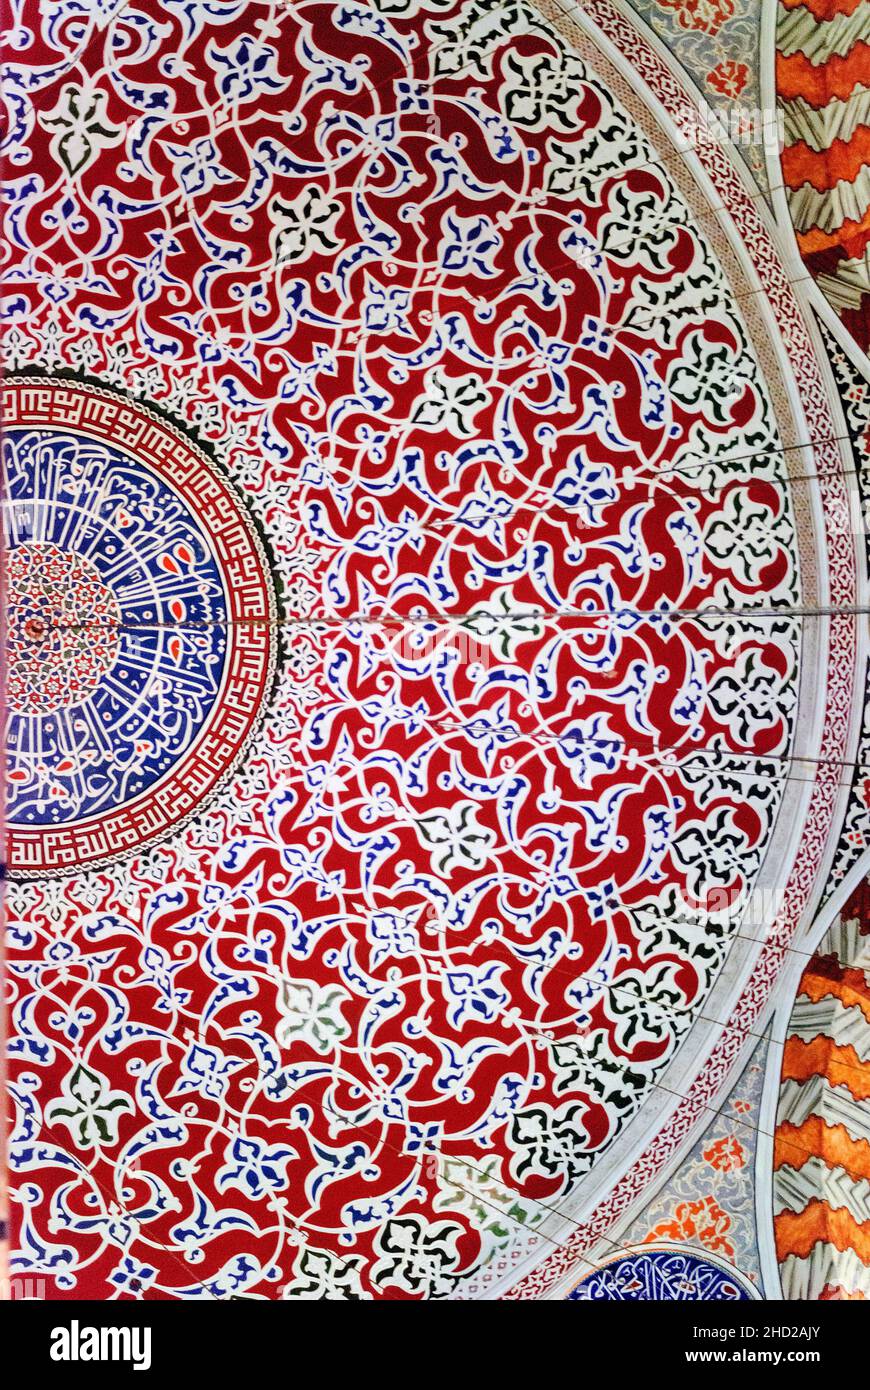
<point>140,625</point>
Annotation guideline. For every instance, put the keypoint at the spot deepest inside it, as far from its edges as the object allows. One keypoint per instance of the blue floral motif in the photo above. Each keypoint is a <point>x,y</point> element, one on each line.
<point>254,1167</point>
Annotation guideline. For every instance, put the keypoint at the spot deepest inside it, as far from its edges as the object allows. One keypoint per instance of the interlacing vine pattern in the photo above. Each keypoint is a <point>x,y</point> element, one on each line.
<point>417,278</point>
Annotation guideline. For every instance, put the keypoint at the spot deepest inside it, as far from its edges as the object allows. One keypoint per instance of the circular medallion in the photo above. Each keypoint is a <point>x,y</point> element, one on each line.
<point>664,1274</point>
<point>140,632</point>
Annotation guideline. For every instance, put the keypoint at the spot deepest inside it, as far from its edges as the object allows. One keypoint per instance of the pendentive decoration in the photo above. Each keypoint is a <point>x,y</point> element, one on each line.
<point>140,625</point>
<point>493,373</point>
<point>821,1171</point>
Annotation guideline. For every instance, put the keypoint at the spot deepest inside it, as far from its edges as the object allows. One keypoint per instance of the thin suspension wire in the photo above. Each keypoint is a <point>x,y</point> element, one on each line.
<point>737,1119</point>
<point>535,202</point>
<point>593,512</point>
<point>112,1200</point>
<point>355,1126</point>
<point>704,461</point>
<point>476,1196</point>
<point>770,942</point>
<point>662,616</point>
<point>572,736</point>
<point>381,1139</point>
<point>715,1110</point>
<point>559,1213</point>
<point>677,765</point>
<point>652,481</point>
<point>371,88</point>
<point>691,1015</point>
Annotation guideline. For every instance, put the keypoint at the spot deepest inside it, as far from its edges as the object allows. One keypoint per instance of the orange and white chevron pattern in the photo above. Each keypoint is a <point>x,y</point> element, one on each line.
<point>821,1187</point>
<point>823,89</point>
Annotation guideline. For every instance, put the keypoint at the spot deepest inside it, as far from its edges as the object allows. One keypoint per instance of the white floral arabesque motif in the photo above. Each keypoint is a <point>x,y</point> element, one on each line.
<point>302,318</point>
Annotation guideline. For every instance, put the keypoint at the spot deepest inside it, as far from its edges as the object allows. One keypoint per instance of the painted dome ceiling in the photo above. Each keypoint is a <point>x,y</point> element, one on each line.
<point>435,648</point>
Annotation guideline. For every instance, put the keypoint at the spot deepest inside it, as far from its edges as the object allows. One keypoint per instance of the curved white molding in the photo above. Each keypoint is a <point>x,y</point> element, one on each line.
<point>659,1109</point>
